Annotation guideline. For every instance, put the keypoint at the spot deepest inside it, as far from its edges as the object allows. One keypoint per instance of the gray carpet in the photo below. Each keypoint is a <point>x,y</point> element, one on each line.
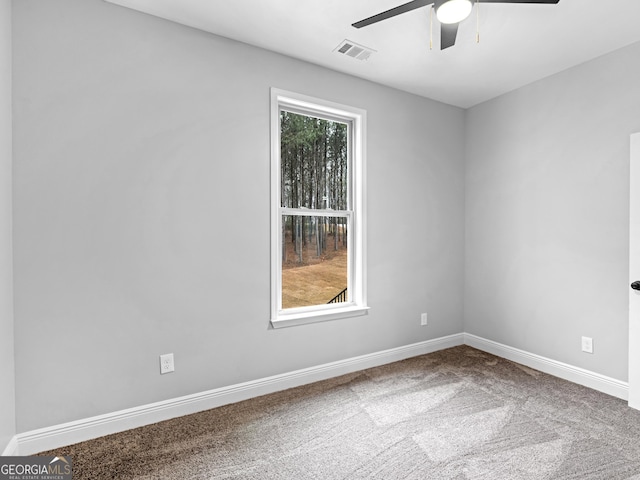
<point>454,414</point>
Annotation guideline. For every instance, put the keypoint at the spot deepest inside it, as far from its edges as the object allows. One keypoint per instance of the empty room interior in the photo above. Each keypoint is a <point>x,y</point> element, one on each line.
<point>137,208</point>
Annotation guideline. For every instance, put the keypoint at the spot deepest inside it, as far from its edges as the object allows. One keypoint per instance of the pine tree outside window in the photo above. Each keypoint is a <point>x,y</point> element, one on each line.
<point>317,210</point>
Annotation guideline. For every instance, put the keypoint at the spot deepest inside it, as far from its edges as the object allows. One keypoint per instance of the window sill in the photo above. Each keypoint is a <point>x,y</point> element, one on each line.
<point>304,318</point>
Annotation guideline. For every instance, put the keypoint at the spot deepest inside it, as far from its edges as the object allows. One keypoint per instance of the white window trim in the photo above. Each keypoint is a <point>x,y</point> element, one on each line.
<point>357,304</point>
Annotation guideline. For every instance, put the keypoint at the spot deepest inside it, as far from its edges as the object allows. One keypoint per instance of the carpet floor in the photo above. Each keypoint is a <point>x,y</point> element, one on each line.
<point>456,414</point>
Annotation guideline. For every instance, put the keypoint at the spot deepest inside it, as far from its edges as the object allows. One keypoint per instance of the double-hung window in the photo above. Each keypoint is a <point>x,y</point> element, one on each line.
<point>317,210</point>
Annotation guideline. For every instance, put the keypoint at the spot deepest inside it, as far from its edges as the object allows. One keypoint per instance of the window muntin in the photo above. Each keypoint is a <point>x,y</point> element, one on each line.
<point>317,210</point>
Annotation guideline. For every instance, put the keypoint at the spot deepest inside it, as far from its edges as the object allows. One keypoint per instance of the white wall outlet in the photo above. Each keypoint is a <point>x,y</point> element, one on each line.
<point>423,319</point>
<point>587,344</point>
<point>166,363</point>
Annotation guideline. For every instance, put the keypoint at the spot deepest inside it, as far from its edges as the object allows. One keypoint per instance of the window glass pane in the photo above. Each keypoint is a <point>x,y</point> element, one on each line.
<point>314,260</point>
<point>314,158</point>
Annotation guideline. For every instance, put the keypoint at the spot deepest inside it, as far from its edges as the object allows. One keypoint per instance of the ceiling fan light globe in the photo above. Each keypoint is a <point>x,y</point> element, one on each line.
<point>454,11</point>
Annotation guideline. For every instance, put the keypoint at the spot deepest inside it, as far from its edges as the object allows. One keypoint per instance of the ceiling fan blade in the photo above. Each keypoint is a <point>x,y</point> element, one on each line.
<point>549,2</point>
<point>407,7</point>
<point>448,34</point>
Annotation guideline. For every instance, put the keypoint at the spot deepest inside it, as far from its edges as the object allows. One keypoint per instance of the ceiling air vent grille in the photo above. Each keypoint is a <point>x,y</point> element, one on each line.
<point>352,49</point>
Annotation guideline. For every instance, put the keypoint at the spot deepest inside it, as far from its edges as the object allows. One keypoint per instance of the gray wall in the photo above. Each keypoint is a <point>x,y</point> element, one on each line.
<point>547,213</point>
<point>7,385</point>
<point>133,137</point>
<point>141,200</point>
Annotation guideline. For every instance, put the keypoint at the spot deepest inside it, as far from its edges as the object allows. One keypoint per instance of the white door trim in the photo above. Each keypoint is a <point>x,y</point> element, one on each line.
<point>634,273</point>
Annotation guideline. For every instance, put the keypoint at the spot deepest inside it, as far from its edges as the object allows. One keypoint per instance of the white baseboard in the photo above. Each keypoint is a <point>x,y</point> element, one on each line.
<point>73,432</point>
<point>602,383</point>
<point>78,431</point>
<point>11,448</point>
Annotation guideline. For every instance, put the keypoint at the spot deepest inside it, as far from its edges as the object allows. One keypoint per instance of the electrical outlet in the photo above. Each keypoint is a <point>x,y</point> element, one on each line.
<point>166,363</point>
<point>423,319</point>
<point>587,344</point>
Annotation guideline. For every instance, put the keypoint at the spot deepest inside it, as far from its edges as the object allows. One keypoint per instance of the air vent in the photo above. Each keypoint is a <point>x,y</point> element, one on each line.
<point>352,49</point>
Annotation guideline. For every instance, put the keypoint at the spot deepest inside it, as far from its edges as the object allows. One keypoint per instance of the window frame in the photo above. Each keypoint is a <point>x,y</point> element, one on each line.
<point>355,118</point>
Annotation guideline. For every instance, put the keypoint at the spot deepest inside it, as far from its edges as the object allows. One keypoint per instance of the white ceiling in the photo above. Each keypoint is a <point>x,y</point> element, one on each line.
<point>519,43</point>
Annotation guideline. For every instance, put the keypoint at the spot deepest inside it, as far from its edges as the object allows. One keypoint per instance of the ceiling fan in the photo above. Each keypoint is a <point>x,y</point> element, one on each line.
<point>449,13</point>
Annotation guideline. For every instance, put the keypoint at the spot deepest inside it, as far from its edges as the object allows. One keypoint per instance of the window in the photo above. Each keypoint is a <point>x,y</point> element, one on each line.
<point>317,210</point>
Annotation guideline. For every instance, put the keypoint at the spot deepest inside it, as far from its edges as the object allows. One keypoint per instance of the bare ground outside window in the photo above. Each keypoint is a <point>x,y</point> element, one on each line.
<point>316,279</point>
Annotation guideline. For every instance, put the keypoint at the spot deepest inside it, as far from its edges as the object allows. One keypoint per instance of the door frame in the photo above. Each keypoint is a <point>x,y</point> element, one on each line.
<point>634,272</point>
